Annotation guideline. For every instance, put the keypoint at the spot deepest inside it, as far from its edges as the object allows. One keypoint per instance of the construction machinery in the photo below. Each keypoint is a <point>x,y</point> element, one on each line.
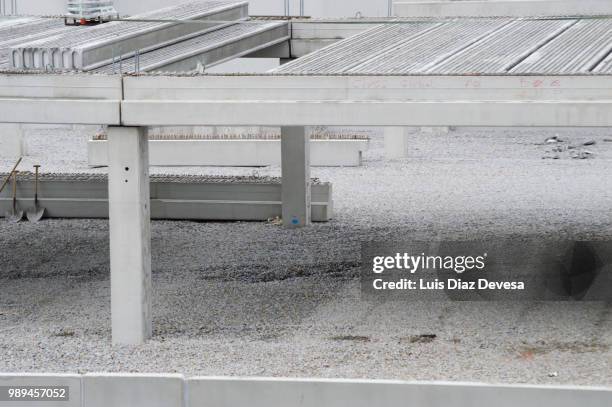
<point>90,12</point>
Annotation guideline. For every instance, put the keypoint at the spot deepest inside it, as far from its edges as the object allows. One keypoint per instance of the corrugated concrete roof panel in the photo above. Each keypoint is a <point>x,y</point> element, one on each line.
<point>468,46</point>
<point>344,55</point>
<point>421,54</point>
<point>501,52</point>
<point>579,49</point>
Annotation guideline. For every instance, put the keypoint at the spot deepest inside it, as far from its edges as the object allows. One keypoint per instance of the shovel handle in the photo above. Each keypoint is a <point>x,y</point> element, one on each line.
<point>15,191</point>
<point>8,177</point>
<point>36,167</point>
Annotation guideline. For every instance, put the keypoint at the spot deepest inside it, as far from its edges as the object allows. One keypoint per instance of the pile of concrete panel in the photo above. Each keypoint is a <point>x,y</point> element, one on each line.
<point>172,197</point>
<point>88,48</point>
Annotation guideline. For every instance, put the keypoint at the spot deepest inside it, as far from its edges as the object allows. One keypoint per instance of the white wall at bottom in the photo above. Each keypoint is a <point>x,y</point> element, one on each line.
<point>153,390</point>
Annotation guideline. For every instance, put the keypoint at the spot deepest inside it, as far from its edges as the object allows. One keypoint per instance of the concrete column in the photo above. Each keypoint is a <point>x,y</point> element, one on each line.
<point>396,142</point>
<point>295,158</point>
<point>130,234</point>
<point>11,140</point>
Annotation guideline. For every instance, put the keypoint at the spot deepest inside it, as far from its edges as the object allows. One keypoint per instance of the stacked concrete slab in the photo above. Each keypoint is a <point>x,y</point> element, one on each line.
<point>172,197</point>
<point>93,47</point>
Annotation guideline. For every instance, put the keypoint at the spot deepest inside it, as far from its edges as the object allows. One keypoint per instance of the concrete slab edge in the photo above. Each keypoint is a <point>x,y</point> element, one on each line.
<point>169,390</point>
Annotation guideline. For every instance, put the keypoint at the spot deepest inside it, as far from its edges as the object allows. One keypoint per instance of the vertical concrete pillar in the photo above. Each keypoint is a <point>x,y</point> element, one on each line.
<point>295,159</point>
<point>11,140</point>
<point>130,234</point>
<point>396,142</point>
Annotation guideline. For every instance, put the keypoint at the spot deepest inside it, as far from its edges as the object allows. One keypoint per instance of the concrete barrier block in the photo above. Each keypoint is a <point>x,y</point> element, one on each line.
<point>242,392</point>
<point>132,390</point>
<point>70,383</point>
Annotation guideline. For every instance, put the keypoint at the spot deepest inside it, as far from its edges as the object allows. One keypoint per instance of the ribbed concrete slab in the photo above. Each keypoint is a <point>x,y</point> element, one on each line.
<point>207,49</point>
<point>468,46</point>
<point>96,46</point>
<point>417,55</point>
<point>502,51</point>
<point>579,49</point>
<point>17,31</point>
<point>342,56</point>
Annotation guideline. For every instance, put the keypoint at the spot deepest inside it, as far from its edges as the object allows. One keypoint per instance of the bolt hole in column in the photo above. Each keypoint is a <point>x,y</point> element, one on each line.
<point>127,168</point>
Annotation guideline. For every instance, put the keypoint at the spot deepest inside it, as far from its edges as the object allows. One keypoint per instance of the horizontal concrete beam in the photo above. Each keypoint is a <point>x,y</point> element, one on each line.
<point>169,200</point>
<point>60,111</point>
<point>314,100</point>
<point>236,153</point>
<point>501,8</point>
<point>379,88</point>
<point>332,29</point>
<point>371,113</point>
<point>300,48</point>
<point>68,86</point>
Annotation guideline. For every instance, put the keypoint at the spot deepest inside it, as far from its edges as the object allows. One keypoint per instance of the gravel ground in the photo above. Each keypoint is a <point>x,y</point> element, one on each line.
<point>254,299</point>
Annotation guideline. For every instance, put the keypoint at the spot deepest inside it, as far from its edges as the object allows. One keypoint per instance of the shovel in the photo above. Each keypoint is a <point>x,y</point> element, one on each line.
<point>15,215</point>
<point>36,212</point>
<point>8,178</point>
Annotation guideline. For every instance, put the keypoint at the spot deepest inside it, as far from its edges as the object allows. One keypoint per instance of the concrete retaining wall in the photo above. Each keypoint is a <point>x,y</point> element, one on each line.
<point>150,390</point>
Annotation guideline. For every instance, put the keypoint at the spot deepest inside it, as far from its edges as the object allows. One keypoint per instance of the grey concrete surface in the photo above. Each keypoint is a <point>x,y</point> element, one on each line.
<point>132,390</point>
<point>247,392</point>
<point>256,299</point>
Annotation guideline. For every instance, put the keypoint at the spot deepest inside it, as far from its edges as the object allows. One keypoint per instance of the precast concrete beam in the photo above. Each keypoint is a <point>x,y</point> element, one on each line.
<point>130,234</point>
<point>60,111</point>
<point>369,113</point>
<point>296,189</point>
<point>236,153</point>
<point>368,88</point>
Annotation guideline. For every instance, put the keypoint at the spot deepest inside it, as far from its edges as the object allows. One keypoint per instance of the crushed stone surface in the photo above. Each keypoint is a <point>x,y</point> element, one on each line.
<point>254,299</point>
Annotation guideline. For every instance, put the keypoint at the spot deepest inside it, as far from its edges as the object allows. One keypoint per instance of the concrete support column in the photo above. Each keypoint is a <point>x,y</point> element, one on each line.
<point>130,234</point>
<point>396,142</point>
<point>11,140</point>
<point>295,158</point>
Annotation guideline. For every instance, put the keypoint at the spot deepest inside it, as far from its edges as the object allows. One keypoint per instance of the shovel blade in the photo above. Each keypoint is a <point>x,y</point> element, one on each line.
<point>35,214</point>
<point>14,217</point>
